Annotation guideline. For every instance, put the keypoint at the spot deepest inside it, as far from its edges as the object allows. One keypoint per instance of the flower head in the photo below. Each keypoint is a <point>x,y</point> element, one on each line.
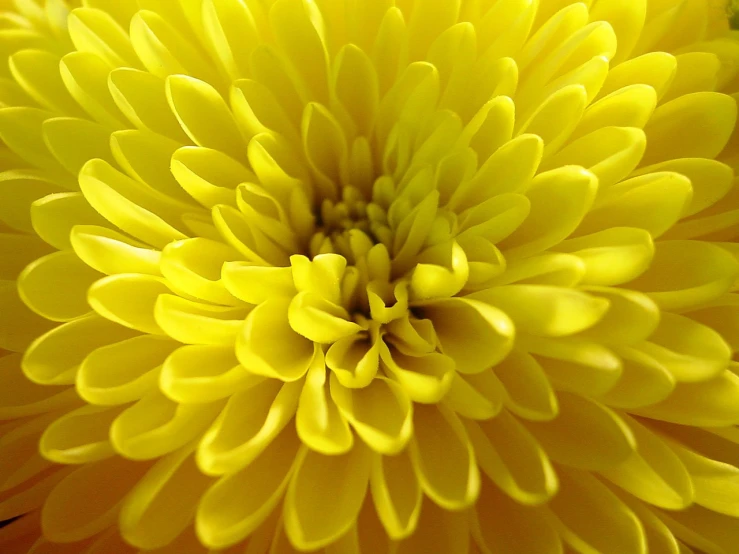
<point>411,276</point>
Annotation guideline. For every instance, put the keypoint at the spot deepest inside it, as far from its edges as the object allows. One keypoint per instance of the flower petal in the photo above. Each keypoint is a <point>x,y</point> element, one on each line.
<point>204,373</point>
<point>610,441</point>
<point>512,459</point>
<point>544,310</point>
<point>111,252</point>
<point>147,519</point>
<point>238,503</point>
<point>475,335</point>
<point>268,346</point>
<point>250,421</point>
<point>653,473</point>
<point>123,371</point>
<point>54,358</point>
<point>380,413</point>
<point>425,378</point>
<point>128,299</point>
<point>397,494</point>
<point>443,458</point>
<point>310,521</point>
<point>528,392</point>
<point>591,518</point>
<point>79,436</point>
<point>155,426</point>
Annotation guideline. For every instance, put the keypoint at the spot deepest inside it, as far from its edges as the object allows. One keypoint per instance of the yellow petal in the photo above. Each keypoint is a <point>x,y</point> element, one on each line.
<point>198,323</point>
<point>86,77</point>
<point>475,335</point>
<point>563,270</point>
<point>612,256</point>
<point>630,106</point>
<point>155,426</point>
<point>66,517</point>
<point>145,156</point>
<point>164,51</point>
<point>443,458</point>
<point>79,436</point>
<point>656,69</point>
<point>354,360</point>
<point>301,42</point>
<point>124,371</point>
<point>397,494</point>
<point>310,522</point>
<point>111,252</point>
<point>610,153</point>
<point>380,413</point>
<point>478,396</point>
<point>193,266</point>
<point>18,190</point>
<point>592,519</point>
<point>437,529</point>
<point>575,365</point>
<point>319,320</point>
<point>706,272</point>
<point>55,286</point>
<point>147,519</point>
<point>20,397</point>
<point>231,34</point>
<point>38,73</point>
<point>73,141</point>
<point>21,326</point>
<point>559,200</point>
<point>208,175</point>
<point>20,129</point>
<point>95,31</point>
<point>247,425</point>
<point>425,378</point>
<point>129,300</point>
<point>688,350</point>
<point>204,115</point>
<point>268,346</point>
<point>653,473</point>
<point>610,441</point>
<point>55,216</point>
<point>528,392</point>
<point>353,66</point>
<point>141,97</point>
<point>512,533</point>
<point>641,313</point>
<point>641,202</point>
<point>643,381</point>
<point>545,310</point>
<point>238,503</point>
<point>711,115</point>
<point>512,459</point>
<point>320,423</point>
<point>128,205</point>
<point>54,358</point>
<point>713,403</point>
<point>556,117</point>
<point>203,373</point>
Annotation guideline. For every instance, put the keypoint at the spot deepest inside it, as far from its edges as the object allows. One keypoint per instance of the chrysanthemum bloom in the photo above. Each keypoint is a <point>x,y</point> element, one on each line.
<point>369,276</point>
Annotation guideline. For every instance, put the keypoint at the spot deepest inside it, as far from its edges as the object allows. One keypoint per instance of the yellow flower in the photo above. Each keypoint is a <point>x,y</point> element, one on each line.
<point>369,276</point>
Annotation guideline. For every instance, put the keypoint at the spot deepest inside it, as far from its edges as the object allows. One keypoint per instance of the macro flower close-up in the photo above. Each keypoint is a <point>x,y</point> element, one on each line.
<point>369,277</point>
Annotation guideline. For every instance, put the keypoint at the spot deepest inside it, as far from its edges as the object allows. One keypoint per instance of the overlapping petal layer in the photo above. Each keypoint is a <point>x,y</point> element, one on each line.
<point>401,276</point>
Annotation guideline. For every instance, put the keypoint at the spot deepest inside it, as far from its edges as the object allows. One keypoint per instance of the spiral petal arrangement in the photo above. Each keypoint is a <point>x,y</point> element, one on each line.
<point>369,277</point>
